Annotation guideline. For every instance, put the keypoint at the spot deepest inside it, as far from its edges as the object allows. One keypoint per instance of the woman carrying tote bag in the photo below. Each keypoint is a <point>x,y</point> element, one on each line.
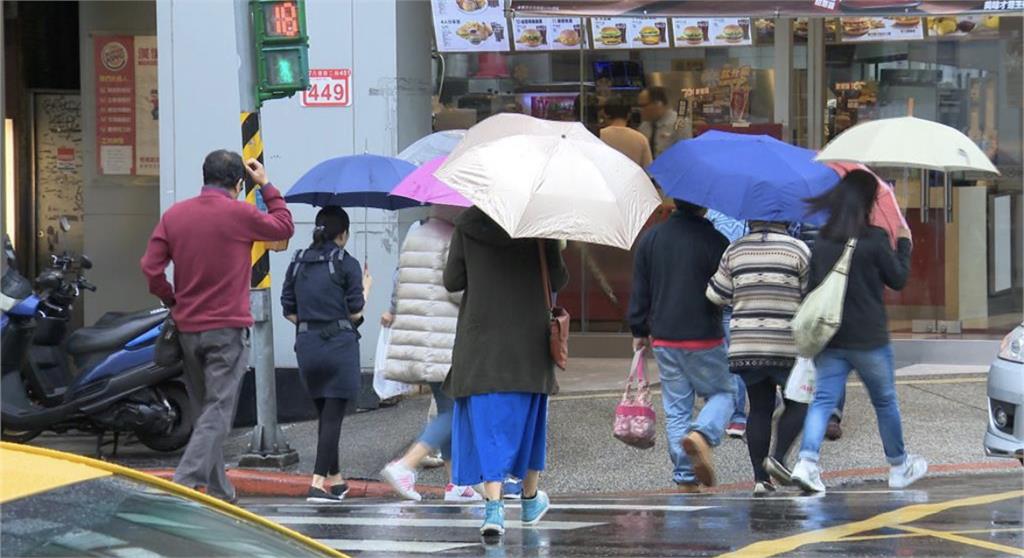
<point>861,342</point>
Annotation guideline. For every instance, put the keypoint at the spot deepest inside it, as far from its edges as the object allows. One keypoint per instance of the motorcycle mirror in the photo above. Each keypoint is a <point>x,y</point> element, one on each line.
<point>86,262</point>
<point>65,224</point>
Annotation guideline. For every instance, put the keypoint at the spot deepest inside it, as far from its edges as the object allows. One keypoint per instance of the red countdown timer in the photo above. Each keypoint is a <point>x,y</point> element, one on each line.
<point>282,19</point>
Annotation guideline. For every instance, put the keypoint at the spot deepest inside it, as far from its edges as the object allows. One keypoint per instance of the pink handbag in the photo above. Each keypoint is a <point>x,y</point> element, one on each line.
<point>634,416</point>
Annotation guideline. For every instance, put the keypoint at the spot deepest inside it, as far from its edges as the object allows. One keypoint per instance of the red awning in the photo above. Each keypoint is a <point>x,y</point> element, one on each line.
<point>760,8</point>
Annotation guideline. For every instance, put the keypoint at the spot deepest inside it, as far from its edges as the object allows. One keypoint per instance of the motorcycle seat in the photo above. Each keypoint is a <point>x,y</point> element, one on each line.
<point>113,332</point>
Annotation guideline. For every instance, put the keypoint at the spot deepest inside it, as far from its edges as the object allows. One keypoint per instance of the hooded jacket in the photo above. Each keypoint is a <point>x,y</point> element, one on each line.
<point>501,343</point>
<point>426,314</point>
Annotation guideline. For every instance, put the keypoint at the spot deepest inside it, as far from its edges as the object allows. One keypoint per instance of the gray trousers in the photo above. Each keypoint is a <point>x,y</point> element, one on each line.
<point>215,362</point>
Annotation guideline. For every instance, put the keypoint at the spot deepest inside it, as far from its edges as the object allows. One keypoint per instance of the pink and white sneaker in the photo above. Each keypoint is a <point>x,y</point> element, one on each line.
<point>454,493</point>
<point>402,479</point>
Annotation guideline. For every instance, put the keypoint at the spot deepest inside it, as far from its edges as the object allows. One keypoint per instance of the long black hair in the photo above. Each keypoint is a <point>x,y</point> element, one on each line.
<point>848,205</point>
<point>331,222</point>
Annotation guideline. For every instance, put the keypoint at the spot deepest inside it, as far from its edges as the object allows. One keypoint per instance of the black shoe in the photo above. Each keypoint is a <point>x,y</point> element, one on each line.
<point>833,431</point>
<point>778,471</point>
<point>320,496</point>
<point>339,490</point>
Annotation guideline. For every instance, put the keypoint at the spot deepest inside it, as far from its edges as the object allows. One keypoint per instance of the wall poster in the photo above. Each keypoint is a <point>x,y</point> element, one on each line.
<point>127,112</point>
<point>57,131</point>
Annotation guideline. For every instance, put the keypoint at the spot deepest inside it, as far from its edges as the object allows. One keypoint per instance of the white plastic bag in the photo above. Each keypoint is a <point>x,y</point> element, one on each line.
<point>800,385</point>
<point>385,388</point>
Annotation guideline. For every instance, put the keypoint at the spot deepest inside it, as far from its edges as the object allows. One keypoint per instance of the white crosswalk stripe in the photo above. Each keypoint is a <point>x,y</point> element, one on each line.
<point>422,522</point>
<point>412,547</point>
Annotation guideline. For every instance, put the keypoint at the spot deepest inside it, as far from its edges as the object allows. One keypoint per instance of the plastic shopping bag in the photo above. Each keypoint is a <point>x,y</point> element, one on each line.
<point>634,415</point>
<point>385,388</point>
<point>800,385</point>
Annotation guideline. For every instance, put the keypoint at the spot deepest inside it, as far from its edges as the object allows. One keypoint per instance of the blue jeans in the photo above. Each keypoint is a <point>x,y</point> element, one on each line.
<point>739,415</point>
<point>438,432</point>
<point>685,374</point>
<point>875,368</point>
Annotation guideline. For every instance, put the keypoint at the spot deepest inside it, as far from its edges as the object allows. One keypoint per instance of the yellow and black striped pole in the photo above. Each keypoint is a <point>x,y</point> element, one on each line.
<point>252,148</point>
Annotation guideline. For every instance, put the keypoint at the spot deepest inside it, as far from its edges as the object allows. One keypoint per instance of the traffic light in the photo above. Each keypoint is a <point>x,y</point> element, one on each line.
<point>281,44</point>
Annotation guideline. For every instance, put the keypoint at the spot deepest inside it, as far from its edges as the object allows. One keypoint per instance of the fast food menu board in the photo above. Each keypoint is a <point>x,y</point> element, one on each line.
<point>470,26</point>
<point>703,32</point>
<point>898,28</point>
<point>963,26</point>
<point>548,33</point>
<point>630,32</point>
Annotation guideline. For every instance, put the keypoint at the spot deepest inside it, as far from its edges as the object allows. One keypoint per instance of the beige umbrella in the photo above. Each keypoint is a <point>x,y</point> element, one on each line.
<point>907,142</point>
<point>543,179</point>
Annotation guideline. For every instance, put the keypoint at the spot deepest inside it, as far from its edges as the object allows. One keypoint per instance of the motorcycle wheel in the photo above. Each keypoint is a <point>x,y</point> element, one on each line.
<point>18,436</point>
<point>181,430</point>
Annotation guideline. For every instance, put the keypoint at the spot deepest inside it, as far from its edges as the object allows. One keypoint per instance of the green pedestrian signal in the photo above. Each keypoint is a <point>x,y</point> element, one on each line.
<point>281,47</point>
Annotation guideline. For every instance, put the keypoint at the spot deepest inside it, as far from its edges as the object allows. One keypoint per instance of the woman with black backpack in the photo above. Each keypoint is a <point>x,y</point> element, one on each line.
<point>323,295</point>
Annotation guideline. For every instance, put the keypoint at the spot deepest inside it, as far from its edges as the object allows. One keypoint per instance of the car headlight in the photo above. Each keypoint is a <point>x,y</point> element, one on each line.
<point>1012,348</point>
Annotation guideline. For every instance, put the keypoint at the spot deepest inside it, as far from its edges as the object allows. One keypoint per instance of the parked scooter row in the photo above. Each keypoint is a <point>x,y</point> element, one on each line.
<point>99,379</point>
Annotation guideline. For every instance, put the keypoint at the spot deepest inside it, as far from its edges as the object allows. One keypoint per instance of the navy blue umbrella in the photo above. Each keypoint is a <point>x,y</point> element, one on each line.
<point>747,177</point>
<point>353,181</point>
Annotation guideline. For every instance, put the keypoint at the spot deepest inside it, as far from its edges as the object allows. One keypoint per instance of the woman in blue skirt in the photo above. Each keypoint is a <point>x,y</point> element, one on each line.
<point>502,372</point>
<point>323,295</point>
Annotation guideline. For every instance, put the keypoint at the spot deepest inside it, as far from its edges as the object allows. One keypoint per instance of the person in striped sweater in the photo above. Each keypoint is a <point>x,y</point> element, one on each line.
<point>763,276</point>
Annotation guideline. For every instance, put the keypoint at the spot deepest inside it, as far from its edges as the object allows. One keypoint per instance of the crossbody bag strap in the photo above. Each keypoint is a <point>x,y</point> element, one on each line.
<point>544,273</point>
<point>843,265</point>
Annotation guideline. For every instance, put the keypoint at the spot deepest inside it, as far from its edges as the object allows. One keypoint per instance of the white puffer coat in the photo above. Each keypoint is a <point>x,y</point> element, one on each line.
<point>423,333</point>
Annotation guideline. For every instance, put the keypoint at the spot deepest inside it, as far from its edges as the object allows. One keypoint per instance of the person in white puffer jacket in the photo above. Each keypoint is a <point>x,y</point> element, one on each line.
<point>423,319</point>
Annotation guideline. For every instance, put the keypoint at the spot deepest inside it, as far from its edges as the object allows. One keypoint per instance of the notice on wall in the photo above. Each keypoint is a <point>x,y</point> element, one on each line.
<point>57,133</point>
<point>703,32</point>
<point>127,112</point>
<point>470,26</point>
<point>898,28</point>
<point>629,32</point>
<point>328,87</point>
<point>547,33</point>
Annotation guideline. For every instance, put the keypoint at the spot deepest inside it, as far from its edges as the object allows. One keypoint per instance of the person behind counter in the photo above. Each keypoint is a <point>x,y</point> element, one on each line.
<point>659,120</point>
<point>619,135</point>
<point>324,295</point>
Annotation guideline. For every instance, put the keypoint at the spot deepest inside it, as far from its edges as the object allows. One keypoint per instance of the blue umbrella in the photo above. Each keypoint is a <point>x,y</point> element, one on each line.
<point>353,181</point>
<point>744,176</point>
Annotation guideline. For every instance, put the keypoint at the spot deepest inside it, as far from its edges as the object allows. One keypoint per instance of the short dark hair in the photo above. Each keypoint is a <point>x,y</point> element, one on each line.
<point>687,207</point>
<point>657,95</point>
<point>616,108</point>
<point>223,168</point>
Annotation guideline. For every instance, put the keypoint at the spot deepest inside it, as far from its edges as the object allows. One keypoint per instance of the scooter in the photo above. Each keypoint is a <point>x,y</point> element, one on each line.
<point>97,379</point>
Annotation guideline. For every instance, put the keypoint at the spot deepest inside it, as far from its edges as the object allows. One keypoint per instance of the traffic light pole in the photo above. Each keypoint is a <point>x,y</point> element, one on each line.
<point>267,446</point>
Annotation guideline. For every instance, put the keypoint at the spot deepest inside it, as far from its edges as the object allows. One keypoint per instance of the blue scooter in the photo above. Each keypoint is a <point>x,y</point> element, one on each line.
<point>97,379</point>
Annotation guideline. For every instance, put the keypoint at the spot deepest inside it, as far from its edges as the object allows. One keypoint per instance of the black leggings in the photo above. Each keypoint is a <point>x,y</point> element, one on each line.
<point>331,412</point>
<point>759,425</point>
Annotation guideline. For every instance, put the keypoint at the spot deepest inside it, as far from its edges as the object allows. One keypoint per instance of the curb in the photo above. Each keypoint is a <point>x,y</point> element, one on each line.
<point>258,483</point>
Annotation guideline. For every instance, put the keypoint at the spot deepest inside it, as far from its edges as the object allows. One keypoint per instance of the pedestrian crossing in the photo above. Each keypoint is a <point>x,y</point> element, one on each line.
<point>388,528</point>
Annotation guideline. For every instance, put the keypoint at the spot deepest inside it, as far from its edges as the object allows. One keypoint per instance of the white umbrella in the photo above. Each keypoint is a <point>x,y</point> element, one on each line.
<point>432,146</point>
<point>543,179</point>
<point>908,142</point>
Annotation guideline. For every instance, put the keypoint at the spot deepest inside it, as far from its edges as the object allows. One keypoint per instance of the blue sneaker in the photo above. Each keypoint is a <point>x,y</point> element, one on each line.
<point>494,519</point>
<point>512,489</point>
<point>535,508</point>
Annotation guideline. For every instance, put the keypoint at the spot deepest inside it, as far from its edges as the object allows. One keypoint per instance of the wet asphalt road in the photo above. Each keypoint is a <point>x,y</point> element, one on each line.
<point>975,515</point>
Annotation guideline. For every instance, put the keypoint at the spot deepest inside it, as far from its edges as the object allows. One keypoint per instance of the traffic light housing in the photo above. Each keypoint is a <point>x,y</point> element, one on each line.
<point>281,47</point>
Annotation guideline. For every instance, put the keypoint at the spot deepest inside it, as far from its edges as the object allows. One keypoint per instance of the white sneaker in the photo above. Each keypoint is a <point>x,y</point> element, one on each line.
<point>807,475</point>
<point>907,474</point>
<point>402,479</point>
<point>454,493</point>
<point>763,488</point>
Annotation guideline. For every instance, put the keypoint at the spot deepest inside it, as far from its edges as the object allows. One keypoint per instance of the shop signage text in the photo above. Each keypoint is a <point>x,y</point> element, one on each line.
<point>328,88</point>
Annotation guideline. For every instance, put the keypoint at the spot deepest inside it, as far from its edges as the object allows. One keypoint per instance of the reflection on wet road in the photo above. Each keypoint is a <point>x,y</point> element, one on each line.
<point>953,516</point>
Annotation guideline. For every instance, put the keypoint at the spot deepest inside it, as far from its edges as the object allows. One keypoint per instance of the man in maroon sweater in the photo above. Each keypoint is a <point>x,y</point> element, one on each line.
<point>209,238</point>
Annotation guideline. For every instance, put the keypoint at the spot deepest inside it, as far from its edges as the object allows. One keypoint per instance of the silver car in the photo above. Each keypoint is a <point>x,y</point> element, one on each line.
<point>1005,435</point>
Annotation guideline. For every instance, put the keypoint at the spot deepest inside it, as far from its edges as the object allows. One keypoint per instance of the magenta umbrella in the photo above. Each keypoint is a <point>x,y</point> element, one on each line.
<point>421,185</point>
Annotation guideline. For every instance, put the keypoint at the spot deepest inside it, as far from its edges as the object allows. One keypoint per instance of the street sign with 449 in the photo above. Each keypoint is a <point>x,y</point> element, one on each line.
<point>328,88</point>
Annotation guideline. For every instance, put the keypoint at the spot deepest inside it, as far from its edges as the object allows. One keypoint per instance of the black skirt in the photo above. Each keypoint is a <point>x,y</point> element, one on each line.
<point>329,367</point>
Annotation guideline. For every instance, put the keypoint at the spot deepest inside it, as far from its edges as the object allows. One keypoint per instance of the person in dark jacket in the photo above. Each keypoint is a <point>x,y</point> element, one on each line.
<point>323,295</point>
<point>502,371</point>
<point>862,341</point>
<point>668,310</point>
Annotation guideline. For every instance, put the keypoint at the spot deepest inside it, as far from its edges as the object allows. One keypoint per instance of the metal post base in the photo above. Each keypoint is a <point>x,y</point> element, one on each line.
<point>274,453</point>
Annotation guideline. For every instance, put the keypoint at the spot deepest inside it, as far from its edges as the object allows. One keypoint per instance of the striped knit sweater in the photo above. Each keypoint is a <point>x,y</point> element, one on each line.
<point>763,275</point>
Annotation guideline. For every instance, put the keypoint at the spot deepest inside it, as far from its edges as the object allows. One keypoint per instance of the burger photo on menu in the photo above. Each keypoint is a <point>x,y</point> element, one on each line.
<point>475,32</point>
<point>568,37</point>
<point>856,26</point>
<point>731,33</point>
<point>471,6</point>
<point>692,35</point>
<point>611,36</point>
<point>530,37</point>
<point>649,35</point>
<point>906,21</point>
